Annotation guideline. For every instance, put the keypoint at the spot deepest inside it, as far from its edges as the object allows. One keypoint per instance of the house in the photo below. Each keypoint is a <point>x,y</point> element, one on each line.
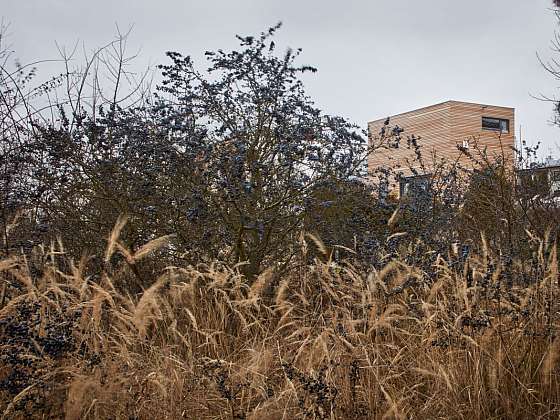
<point>542,179</point>
<point>448,130</point>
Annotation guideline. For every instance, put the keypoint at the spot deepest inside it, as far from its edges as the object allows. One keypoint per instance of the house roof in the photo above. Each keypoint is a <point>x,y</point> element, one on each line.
<point>540,168</point>
<point>438,105</point>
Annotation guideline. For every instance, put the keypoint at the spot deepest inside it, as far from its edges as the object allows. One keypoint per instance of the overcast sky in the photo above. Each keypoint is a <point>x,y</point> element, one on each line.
<point>375,57</point>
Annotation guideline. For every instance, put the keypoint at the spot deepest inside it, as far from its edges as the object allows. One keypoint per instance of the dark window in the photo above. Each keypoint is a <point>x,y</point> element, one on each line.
<point>415,186</point>
<point>383,190</point>
<point>495,124</point>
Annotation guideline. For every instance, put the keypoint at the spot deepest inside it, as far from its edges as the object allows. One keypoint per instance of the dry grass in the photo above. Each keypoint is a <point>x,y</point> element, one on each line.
<point>332,341</point>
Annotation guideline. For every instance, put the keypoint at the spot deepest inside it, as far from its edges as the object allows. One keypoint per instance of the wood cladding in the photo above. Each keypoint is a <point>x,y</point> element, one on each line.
<point>441,130</point>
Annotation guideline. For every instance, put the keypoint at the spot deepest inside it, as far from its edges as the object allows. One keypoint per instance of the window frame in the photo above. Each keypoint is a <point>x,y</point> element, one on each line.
<point>499,128</point>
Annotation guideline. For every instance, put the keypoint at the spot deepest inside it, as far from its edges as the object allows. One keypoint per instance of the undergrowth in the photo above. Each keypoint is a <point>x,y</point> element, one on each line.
<point>329,340</point>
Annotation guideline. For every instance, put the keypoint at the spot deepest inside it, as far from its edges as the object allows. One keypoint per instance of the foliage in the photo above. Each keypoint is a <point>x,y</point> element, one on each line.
<point>348,218</point>
<point>330,342</point>
<point>261,143</point>
<point>252,270</point>
<point>225,159</point>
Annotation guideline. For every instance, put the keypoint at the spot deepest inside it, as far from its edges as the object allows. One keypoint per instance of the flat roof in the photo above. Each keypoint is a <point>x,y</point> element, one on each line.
<point>539,168</point>
<point>439,104</point>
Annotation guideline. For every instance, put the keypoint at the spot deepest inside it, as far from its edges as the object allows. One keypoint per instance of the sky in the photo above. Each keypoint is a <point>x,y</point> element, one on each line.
<point>375,58</point>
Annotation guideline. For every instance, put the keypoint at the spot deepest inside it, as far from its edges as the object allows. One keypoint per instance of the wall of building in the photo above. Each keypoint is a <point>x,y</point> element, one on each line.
<point>440,129</point>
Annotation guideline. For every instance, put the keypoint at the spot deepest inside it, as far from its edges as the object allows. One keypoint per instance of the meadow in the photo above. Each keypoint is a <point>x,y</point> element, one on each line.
<point>327,341</point>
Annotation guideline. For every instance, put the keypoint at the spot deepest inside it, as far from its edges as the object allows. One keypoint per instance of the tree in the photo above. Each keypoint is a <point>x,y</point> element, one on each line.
<point>259,142</point>
<point>230,160</point>
<point>19,109</point>
<point>552,66</point>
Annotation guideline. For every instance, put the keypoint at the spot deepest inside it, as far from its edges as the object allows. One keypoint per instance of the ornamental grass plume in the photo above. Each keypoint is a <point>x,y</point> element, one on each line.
<point>334,341</point>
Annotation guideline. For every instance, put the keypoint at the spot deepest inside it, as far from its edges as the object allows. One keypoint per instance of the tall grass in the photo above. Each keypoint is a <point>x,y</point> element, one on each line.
<point>324,340</point>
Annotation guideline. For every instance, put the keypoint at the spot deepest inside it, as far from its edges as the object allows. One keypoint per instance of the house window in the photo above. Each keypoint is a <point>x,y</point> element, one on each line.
<point>555,183</point>
<point>495,124</point>
<point>415,186</point>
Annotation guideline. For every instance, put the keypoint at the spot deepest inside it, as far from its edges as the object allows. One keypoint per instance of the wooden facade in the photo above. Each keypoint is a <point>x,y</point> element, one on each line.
<point>446,130</point>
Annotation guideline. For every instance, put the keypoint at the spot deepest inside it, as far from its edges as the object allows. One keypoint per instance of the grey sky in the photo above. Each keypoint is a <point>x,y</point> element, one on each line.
<point>375,58</point>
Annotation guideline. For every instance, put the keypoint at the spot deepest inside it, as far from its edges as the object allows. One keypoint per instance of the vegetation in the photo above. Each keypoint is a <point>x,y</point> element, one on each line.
<point>211,250</point>
<point>328,341</point>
